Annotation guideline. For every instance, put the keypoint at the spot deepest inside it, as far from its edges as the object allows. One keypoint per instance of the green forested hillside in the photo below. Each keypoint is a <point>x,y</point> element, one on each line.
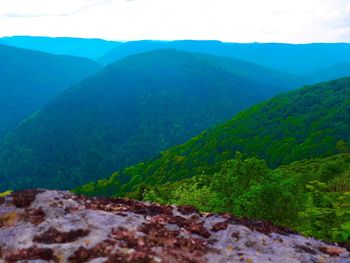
<point>131,111</point>
<point>311,196</point>
<point>306,123</point>
<point>30,79</point>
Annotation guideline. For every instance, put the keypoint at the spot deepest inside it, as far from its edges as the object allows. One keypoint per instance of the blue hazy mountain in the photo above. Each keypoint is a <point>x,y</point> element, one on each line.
<point>130,111</point>
<point>90,48</point>
<point>309,60</point>
<point>29,79</point>
<point>292,58</point>
<point>336,71</point>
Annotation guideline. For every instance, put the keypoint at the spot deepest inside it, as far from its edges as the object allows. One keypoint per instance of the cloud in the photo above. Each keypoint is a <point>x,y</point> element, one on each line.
<point>35,15</point>
<point>296,21</point>
<point>42,8</point>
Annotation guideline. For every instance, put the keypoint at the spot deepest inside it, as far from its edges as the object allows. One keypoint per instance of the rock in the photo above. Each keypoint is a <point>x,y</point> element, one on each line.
<point>57,226</point>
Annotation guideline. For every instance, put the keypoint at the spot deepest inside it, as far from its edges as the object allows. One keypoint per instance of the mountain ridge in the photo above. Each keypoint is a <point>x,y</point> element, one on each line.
<point>291,58</point>
<point>301,124</point>
<point>120,115</point>
<point>30,79</point>
<point>91,48</point>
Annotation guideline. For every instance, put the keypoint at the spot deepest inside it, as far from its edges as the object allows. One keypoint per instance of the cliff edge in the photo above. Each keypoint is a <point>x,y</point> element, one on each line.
<point>57,226</point>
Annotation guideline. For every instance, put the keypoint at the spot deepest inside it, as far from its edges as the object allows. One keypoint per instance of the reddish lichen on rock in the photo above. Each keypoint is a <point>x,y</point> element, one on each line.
<point>32,253</point>
<point>119,205</point>
<point>52,236</point>
<point>332,250</point>
<point>220,226</point>
<point>83,254</point>
<point>171,240</point>
<point>187,210</point>
<point>24,198</point>
<point>256,225</point>
<point>34,215</point>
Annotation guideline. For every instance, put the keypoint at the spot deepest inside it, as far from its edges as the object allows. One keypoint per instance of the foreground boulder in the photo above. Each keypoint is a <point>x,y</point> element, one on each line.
<point>54,226</point>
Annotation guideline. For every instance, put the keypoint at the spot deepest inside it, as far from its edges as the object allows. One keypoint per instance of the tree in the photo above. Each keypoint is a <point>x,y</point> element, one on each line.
<point>342,146</point>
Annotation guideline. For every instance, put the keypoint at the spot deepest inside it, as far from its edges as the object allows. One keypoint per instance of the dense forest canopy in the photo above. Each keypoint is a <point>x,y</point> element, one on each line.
<point>310,196</point>
<point>30,79</point>
<point>265,163</point>
<point>302,124</point>
<point>129,112</point>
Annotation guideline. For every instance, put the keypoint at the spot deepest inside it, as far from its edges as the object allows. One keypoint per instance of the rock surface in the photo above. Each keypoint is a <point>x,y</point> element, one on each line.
<point>54,226</point>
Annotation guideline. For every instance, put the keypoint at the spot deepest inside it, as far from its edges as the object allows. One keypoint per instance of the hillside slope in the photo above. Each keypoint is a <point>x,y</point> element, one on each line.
<point>310,196</point>
<point>129,112</point>
<point>309,122</point>
<point>30,79</point>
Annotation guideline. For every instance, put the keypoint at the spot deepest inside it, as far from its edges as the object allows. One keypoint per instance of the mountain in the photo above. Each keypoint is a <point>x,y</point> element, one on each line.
<point>131,48</point>
<point>54,226</point>
<point>291,58</point>
<point>310,60</point>
<point>302,124</point>
<point>80,47</point>
<point>331,72</point>
<point>30,79</point>
<point>129,112</point>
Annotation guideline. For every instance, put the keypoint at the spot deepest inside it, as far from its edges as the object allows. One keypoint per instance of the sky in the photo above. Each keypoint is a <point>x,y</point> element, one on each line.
<point>291,21</point>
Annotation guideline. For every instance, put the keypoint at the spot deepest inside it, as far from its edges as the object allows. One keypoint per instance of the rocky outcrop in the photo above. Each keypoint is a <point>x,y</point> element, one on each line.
<point>54,226</point>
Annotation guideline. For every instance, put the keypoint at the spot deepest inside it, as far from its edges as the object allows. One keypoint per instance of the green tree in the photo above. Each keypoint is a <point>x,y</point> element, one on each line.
<point>342,146</point>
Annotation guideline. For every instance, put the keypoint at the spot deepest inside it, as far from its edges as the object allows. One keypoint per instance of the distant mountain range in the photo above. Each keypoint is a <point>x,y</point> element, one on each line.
<point>129,112</point>
<point>291,58</point>
<point>30,79</point>
<point>90,48</point>
<point>329,72</point>
<point>303,59</point>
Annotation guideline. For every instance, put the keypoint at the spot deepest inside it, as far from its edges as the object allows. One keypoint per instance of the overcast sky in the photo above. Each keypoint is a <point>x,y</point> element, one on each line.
<point>293,21</point>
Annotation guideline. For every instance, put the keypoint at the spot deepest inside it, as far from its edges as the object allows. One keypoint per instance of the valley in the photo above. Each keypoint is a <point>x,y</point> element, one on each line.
<point>195,136</point>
